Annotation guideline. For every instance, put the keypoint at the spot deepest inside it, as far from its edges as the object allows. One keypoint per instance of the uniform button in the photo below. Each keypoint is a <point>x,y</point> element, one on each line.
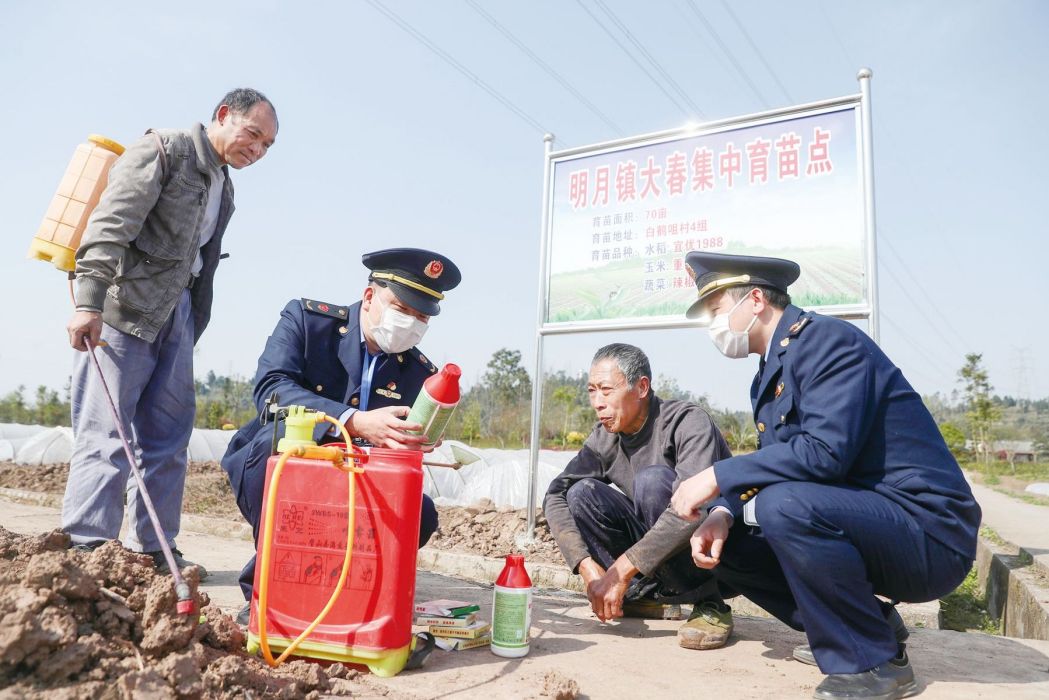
<point>343,330</point>
<point>320,388</point>
<point>354,401</point>
<point>744,496</point>
<point>400,358</point>
<point>784,343</point>
<point>782,419</point>
<point>761,427</point>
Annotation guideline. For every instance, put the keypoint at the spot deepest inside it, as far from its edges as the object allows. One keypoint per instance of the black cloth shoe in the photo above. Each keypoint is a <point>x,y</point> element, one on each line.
<point>86,547</point>
<point>803,652</point>
<point>161,563</point>
<point>893,679</point>
<point>244,614</point>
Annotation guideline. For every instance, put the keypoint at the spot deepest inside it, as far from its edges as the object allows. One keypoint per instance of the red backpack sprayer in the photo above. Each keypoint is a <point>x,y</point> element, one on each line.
<point>320,539</point>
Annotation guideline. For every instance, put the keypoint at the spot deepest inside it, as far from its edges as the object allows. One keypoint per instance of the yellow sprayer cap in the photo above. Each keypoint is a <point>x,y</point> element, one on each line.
<point>108,144</point>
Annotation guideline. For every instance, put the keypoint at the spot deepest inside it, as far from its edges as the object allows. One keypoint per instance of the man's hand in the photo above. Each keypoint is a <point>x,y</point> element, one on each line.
<point>383,427</point>
<point>606,592</point>
<point>709,540</point>
<point>590,571</point>
<point>693,493</point>
<point>84,324</point>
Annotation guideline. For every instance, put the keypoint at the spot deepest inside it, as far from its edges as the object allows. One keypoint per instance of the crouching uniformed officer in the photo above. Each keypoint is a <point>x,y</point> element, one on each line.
<point>851,494</point>
<point>358,363</point>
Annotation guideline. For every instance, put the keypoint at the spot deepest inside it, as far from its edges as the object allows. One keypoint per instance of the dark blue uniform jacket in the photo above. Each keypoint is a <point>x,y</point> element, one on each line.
<point>313,358</point>
<point>831,408</point>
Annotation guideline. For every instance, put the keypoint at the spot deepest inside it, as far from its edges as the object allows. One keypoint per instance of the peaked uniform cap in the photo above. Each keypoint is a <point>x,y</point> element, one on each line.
<point>713,272</point>
<point>418,277</point>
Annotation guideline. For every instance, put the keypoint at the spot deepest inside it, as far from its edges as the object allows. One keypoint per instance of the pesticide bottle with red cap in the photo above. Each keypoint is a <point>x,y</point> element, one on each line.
<point>512,609</point>
<point>436,402</point>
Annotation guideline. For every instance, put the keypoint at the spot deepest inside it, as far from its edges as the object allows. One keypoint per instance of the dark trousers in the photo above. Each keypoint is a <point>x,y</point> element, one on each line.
<point>610,524</point>
<point>821,554</point>
<point>427,526</point>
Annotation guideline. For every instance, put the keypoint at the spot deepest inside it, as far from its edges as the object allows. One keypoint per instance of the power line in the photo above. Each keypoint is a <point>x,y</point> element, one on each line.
<point>903,265</point>
<point>649,57</point>
<point>920,349</point>
<point>754,47</point>
<point>633,58</point>
<point>422,39</point>
<point>546,67</point>
<point>732,59</point>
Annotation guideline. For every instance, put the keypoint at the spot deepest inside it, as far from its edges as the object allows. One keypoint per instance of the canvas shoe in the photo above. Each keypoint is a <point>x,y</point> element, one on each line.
<point>708,627</point>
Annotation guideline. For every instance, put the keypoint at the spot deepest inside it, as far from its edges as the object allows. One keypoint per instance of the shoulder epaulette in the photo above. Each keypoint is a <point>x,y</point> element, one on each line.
<point>799,326</point>
<point>417,354</point>
<point>320,307</point>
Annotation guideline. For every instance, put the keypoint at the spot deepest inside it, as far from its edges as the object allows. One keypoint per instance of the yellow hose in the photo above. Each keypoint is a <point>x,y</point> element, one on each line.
<point>338,459</point>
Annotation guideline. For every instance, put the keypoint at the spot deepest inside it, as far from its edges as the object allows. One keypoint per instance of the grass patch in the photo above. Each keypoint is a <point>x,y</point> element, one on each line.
<point>991,536</point>
<point>965,609</point>
<point>1026,471</point>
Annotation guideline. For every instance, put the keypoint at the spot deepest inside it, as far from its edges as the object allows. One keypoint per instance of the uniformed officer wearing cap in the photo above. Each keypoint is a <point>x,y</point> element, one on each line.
<point>358,363</point>
<point>853,491</point>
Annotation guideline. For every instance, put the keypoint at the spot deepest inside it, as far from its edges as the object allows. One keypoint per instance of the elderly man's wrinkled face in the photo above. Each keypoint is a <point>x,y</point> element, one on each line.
<point>243,139</point>
<point>621,408</point>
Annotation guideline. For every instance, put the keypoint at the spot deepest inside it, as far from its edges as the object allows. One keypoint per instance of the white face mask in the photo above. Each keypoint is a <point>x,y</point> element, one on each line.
<point>396,330</point>
<point>733,344</point>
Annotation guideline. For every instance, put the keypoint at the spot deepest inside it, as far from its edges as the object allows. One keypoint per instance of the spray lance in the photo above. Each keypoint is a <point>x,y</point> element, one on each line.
<point>56,242</point>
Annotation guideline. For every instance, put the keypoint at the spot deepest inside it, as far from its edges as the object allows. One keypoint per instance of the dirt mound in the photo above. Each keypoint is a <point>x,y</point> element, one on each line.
<point>207,488</point>
<point>47,478</point>
<point>103,624</point>
<point>482,528</point>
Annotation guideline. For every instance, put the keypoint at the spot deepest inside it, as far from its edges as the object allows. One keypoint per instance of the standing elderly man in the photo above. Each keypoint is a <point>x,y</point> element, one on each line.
<point>144,275</point>
<point>358,363</point>
<point>852,493</point>
<point>645,446</point>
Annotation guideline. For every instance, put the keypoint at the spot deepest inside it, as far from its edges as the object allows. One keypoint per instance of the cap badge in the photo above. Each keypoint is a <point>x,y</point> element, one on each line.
<point>690,271</point>
<point>392,386</point>
<point>434,269</point>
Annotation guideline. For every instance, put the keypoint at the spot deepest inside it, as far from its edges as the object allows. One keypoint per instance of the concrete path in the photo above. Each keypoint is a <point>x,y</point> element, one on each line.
<point>1024,524</point>
<point>634,658</point>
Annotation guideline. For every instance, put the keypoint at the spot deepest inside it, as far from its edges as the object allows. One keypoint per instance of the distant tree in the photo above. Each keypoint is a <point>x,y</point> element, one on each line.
<point>955,439</point>
<point>506,377</point>
<point>1041,446</point>
<point>738,429</point>
<point>980,409</point>
<point>565,397</point>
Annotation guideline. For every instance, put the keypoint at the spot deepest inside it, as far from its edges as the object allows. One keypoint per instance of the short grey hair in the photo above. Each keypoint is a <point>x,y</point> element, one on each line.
<point>632,361</point>
<point>241,100</point>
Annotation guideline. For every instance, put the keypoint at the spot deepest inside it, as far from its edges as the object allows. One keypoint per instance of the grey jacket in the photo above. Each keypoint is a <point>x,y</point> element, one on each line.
<point>677,434</point>
<point>140,243</point>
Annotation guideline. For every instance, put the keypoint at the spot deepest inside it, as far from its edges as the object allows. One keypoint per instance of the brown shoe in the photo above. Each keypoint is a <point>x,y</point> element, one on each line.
<point>708,627</point>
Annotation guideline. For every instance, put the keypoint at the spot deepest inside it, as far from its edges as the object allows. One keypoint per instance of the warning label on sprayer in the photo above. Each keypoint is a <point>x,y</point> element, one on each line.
<point>310,545</point>
<point>318,526</point>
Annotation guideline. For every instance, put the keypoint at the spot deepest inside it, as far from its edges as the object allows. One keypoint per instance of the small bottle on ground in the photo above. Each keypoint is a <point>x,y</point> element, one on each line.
<point>512,609</point>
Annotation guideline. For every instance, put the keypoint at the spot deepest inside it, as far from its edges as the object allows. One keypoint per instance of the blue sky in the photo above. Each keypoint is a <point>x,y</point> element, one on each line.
<point>384,143</point>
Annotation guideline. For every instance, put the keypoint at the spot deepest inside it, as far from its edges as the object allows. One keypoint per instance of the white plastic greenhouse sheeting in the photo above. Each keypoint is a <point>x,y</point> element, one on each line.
<point>13,436</point>
<point>53,445</point>
<point>499,475</point>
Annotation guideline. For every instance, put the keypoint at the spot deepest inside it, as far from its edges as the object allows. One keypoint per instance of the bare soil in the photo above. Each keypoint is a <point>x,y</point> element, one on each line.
<point>481,528</point>
<point>103,624</point>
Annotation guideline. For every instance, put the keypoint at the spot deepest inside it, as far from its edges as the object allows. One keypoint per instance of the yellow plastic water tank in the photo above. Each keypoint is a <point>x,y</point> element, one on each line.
<point>59,235</point>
